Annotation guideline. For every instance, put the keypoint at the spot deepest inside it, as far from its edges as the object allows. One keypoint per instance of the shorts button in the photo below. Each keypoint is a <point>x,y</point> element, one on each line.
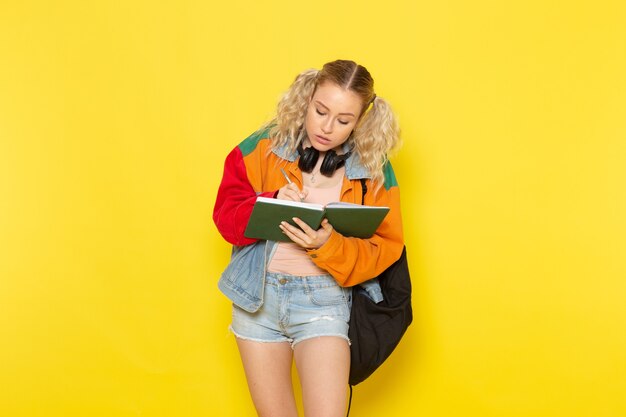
<point>282,281</point>
<point>313,255</point>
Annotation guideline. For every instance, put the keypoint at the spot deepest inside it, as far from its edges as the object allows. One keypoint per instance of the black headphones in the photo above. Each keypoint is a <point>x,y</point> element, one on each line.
<point>331,162</point>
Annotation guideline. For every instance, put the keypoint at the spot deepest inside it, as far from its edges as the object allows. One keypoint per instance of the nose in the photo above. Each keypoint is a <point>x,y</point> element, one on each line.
<point>327,125</point>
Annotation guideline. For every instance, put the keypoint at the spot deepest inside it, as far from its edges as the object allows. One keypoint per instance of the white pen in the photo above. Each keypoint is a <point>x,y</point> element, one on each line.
<point>285,175</point>
<point>288,180</point>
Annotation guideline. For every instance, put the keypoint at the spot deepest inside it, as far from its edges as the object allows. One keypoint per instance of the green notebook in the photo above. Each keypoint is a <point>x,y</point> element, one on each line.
<point>348,219</point>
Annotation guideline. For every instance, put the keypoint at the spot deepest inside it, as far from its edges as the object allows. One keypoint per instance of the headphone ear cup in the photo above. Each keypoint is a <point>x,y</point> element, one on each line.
<point>329,164</point>
<point>308,159</point>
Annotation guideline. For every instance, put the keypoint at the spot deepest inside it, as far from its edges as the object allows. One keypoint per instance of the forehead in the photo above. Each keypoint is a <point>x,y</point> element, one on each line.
<point>337,98</point>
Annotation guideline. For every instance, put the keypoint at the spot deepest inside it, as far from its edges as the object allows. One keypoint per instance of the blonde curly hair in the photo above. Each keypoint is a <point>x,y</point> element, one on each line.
<point>377,132</point>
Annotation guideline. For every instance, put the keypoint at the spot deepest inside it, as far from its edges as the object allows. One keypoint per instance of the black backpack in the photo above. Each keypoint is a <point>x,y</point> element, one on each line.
<point>376,328</point>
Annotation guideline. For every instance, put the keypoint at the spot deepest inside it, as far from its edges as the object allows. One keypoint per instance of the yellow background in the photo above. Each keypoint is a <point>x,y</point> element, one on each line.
<point>115,118</point>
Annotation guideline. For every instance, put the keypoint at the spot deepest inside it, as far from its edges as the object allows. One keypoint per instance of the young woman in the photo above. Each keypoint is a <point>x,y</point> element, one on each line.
<point>292,300</point>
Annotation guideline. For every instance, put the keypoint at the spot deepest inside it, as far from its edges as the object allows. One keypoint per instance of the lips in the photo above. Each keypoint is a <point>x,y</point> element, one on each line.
<point>321,139</point>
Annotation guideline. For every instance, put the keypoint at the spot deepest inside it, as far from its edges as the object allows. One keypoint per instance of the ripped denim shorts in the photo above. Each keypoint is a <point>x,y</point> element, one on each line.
<point>296,308</point>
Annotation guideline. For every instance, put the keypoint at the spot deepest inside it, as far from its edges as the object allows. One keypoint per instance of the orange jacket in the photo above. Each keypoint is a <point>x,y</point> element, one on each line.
<point>253,169</point>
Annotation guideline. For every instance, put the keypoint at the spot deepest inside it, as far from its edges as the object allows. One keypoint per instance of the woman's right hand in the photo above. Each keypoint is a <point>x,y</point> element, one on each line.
<point>291,192</point>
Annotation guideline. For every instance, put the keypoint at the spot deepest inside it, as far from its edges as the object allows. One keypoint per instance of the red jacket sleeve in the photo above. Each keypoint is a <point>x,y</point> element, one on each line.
<point>235,200</point>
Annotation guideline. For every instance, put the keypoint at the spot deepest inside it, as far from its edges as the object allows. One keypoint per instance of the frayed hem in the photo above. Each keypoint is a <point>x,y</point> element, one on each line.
<point>254,339</point>
<point>313,336</point>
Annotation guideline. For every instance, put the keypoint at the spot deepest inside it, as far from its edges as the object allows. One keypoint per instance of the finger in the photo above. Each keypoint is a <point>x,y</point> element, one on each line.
<point>294,230</point>
<point>327,226</point>
<point>296,190</point>
<point>305,227</point>
<point>303,194</point>
<point>297,194</point>
<point>290,195</point>
<point>291,233</point>
<point>303,238</point>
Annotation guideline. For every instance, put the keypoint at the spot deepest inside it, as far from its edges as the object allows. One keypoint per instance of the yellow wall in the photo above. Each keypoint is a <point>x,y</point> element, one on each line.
<point>115,118</point>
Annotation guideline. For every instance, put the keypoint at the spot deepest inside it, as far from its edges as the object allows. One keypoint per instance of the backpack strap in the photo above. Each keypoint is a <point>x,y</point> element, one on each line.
<point>364,188</point>
<point>364,191</point>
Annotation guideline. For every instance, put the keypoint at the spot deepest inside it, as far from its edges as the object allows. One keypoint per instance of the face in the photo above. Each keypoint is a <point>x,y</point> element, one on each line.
<point>331,116</point>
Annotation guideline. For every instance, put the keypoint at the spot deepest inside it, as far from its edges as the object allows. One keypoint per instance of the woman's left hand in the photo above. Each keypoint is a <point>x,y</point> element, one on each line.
<point>305,236</point>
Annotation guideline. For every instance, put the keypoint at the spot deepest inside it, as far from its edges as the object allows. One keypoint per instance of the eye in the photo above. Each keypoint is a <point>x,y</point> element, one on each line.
<point>318,111</point>
<point>343,122</point>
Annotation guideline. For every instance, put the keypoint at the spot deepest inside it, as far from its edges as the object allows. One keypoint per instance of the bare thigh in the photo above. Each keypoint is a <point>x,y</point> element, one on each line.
<point>268,371</point>
<point>323,367</point>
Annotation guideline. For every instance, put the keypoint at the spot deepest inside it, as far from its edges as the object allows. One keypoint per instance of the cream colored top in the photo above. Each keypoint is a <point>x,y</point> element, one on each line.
<point>289,258</point>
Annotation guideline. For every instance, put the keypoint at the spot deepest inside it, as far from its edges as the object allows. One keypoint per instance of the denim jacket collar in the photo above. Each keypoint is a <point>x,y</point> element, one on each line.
<point>354,169</point>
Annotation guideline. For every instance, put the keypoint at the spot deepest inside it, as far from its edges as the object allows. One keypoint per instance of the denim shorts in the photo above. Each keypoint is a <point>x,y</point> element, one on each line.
<point>296,308</point>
